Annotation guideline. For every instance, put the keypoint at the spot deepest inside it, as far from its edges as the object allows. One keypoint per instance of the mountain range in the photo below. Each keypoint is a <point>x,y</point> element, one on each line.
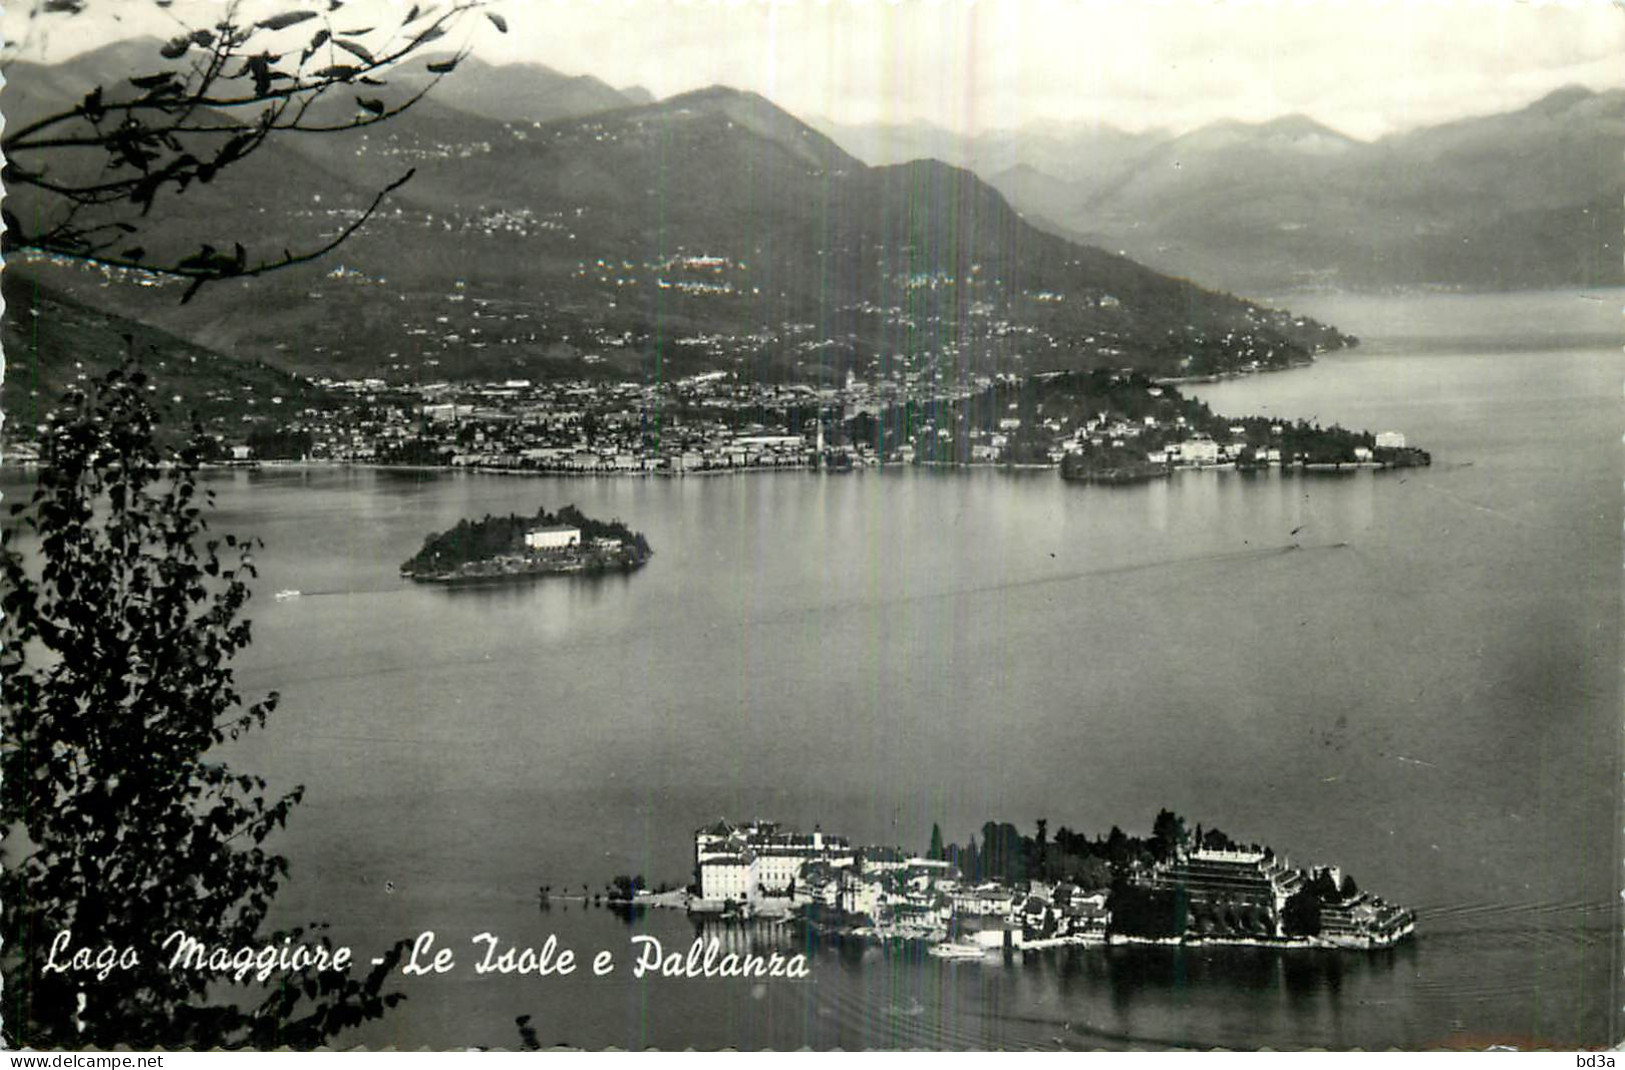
<point>1520,200</point>
<point>708,230</point>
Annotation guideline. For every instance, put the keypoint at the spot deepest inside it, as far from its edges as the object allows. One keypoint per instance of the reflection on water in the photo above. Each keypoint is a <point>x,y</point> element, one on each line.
<point>898,995</point>
<point>585,589</point>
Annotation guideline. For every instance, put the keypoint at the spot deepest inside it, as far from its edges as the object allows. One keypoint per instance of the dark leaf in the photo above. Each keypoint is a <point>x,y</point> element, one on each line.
<point>234,149</point>
<point>316,42</point>
<point>260,67</point>
<point>498,21</point>
<point>284,20</point>
<point>374,106</point>
<point>445,66</point>
<point>152,81</point>
<point>92,104</point>
<point>176,47</point>
<point>358,51</point>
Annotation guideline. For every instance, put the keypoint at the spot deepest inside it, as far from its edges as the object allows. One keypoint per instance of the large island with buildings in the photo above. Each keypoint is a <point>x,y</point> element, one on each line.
<point>1021,892</point>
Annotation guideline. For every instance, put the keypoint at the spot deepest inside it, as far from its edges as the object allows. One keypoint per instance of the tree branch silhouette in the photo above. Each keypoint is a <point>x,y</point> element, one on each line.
<point>214,97</point>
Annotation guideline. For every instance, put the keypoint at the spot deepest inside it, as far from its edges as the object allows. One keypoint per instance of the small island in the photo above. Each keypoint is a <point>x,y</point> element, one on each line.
<point>498,549</point>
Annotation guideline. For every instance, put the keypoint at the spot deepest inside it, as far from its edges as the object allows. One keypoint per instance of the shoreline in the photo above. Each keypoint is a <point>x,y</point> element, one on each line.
<point>520,574</point>
<point>952,466</point>
<point>1107,940</point>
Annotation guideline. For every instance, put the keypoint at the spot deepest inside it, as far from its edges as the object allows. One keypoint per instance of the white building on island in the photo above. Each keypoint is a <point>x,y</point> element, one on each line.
<point>557,537</point>
<point>747,863</point>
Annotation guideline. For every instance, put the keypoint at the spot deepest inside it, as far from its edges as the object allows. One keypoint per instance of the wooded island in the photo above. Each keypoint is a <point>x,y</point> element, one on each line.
<point>498,548</point>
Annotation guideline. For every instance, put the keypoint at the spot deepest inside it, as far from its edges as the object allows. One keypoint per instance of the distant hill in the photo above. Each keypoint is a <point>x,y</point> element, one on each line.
<point>709,230</point>
<point>53,342</point>
<point>1063,152</point>
<point>1526,199</point>
<point>518,92</point>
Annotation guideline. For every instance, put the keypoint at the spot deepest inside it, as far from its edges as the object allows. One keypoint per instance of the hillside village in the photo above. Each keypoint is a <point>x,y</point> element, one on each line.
<point>581,295</point>
<point>709,231</point>
<point>870,287</point>
<point>1108,426</point>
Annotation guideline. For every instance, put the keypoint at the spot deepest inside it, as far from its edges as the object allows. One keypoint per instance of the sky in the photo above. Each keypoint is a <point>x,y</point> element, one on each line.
<point>1364,67</point>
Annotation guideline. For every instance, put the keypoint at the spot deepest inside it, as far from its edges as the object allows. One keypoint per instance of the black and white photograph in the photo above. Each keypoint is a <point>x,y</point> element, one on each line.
<point>812,524</point>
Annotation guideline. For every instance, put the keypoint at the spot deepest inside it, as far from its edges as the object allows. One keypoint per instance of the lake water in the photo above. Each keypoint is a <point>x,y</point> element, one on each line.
<point>1413,674</point>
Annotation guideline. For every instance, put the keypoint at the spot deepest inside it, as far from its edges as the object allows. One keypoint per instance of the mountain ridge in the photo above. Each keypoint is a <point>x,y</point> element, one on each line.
<point>711,229</point>
<point>1402,210</point>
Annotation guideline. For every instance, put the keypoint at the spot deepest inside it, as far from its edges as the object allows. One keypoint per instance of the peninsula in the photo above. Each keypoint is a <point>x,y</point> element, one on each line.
<point>504,548</point>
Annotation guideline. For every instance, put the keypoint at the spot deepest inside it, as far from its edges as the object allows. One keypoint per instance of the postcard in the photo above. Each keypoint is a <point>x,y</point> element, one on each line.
<point>997,525</point>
